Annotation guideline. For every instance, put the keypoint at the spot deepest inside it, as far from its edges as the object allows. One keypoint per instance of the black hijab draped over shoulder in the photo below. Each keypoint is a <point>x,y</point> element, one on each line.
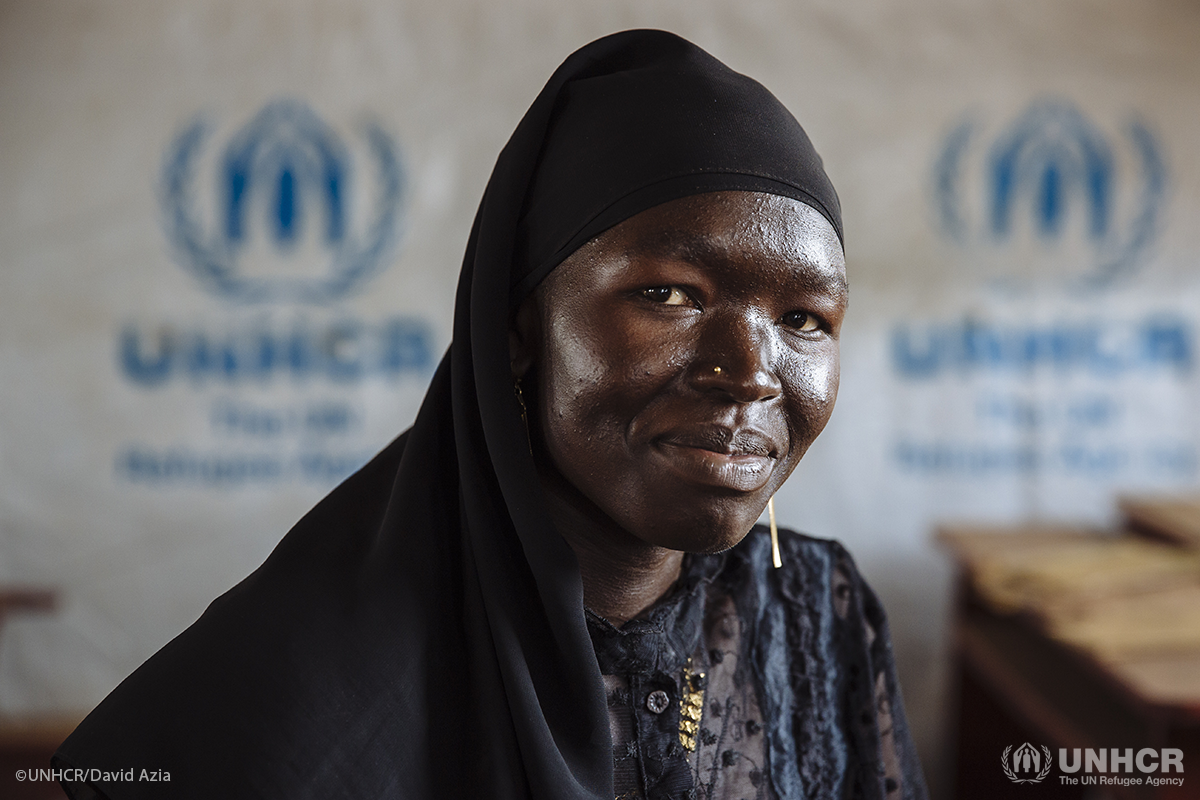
<point>420,633</point>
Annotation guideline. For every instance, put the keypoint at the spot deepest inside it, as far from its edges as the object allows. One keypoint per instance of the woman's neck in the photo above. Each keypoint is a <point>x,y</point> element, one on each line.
<point>622,575</point>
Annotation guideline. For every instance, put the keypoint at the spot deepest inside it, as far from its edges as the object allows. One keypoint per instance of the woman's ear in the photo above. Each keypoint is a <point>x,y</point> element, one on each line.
<point>524,333</point>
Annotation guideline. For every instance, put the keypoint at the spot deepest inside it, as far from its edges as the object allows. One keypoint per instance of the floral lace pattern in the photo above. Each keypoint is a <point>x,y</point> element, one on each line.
<point>839,735</point>
<point>727,762</point>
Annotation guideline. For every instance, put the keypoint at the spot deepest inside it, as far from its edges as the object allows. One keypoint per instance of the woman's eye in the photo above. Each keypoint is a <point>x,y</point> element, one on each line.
<point>801,321</point>
<point>667,295</point>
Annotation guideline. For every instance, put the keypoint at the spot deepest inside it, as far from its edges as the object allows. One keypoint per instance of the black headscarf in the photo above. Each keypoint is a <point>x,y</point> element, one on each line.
<point>421,633</point>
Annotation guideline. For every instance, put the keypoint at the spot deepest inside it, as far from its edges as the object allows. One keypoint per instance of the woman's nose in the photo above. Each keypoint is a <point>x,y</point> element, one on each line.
<point>737,357</point>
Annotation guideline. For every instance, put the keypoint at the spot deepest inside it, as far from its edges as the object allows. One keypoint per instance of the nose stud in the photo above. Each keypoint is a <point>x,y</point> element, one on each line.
<point>716,370</point>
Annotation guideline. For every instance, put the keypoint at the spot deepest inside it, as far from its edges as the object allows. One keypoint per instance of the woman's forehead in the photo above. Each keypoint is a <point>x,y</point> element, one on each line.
<point>730,219</point>
<point>732,228</point>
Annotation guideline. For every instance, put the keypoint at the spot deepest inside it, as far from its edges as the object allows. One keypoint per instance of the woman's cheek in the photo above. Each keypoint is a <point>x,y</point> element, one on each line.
<point>824,382</point>
<point>814,390</point>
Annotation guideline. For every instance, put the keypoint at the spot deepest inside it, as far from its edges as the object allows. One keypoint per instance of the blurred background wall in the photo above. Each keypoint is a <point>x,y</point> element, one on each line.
<point>230,233</point>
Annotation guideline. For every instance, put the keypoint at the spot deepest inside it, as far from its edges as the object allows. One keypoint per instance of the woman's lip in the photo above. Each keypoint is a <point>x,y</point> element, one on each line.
<point>722,440</point>
<point>738,471</point>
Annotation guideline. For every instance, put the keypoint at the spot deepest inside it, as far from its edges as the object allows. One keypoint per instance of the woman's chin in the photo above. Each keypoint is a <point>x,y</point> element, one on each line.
<point>696,533</point>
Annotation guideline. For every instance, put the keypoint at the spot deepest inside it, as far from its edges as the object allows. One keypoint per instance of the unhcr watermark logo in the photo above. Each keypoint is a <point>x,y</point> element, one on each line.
<point>1051,194</point>
<point>1025,764</point>
<point>1095,766</point>
<point>285,217</point>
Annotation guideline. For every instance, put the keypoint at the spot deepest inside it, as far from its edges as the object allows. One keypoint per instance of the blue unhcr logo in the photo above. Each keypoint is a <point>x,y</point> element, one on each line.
<point>284,226</point>
<point>1052,175</point>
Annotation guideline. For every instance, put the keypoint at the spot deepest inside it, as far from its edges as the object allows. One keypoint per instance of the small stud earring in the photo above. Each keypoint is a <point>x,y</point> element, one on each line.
<point>775,557</point>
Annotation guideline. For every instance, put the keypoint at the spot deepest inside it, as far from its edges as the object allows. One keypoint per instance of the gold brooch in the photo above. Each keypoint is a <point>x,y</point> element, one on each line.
<point>691,708</point>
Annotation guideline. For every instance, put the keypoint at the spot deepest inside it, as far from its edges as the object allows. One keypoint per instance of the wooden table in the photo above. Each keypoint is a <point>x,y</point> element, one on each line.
<point>1018,681</point>
<point>27,742</point>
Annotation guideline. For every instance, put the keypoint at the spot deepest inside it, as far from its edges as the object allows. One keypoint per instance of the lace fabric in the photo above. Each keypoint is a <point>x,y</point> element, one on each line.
<point>726,758</point>
<point>710,626</point>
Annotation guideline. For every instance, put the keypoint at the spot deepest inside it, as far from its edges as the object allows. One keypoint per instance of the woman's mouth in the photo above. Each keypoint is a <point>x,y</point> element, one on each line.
<point>740,461</point>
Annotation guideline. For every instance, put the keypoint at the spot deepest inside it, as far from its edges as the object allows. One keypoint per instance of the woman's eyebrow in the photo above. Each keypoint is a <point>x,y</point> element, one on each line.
<point>827,281</point>
<point>698,248</point>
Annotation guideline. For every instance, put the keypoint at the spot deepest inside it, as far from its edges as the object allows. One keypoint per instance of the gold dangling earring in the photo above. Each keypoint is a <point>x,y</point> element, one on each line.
<point>775,557</point>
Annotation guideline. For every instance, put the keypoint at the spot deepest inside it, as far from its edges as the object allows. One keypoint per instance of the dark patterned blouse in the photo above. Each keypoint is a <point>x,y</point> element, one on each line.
<point>749,682</point>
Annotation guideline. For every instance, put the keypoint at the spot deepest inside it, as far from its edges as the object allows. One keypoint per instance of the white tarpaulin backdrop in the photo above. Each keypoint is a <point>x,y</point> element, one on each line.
<point>230,234</point>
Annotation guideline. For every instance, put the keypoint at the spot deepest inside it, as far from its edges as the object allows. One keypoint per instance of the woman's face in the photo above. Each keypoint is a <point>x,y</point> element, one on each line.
<point>684,361</point>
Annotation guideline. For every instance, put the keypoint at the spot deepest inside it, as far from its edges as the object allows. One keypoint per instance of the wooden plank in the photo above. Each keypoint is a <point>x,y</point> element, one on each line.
<point>36,731</point>
<point>1167,680</point>
<point>1174,519</point>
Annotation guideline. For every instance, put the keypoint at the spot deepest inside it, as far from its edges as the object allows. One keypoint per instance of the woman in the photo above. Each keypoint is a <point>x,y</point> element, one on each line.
<point>530,593</point>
